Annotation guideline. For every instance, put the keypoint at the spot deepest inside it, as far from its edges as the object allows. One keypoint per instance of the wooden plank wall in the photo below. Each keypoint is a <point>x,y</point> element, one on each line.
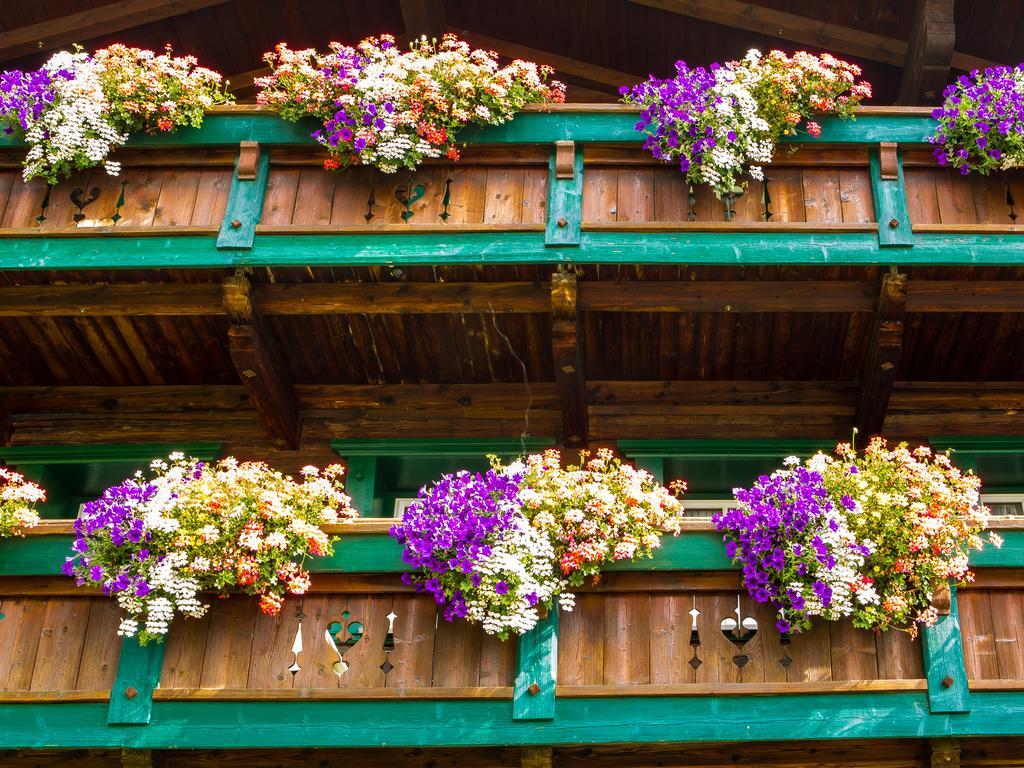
<point>943,196</point>
<point>644,639</point>
<point>56,644</point>
<point>992,624</point>
<point>824,188</point>
<point>235,646</point>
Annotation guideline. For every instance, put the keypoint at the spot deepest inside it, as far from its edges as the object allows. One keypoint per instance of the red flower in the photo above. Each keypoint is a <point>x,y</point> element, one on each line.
<point>330,164</point>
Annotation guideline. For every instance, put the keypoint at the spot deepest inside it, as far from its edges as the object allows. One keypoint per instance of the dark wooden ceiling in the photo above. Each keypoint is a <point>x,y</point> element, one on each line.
<point>595,44</point>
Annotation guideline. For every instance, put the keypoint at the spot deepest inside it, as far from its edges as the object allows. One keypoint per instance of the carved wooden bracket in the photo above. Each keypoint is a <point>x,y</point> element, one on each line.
<point>887,159</point>
<point>248,159</point>
<point>942,600</point>
<point>565,155</point>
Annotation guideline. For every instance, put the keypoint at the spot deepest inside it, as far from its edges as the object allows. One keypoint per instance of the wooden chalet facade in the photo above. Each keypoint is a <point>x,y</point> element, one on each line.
<point>227,296</point>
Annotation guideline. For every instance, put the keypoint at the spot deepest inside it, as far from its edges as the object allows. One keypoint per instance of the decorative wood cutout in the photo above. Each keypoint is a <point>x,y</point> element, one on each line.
<point>335,637</point>
<point>1010,203</point>
<point>691,203</point>
<point>297,644</point>
<point>446,199</point>
<point>407,194</point>
<point>81,200</point>
<point>728,201</point>
<point>767,200</point>
<point>46,204</point>
<point>694,636</point>
<point>739,632</point>
<point>887,160</point>
<point>248,160</point>
<point>565,159</point>
<point>120,203</point>
<point>786,661</point>
<point>371,201</point>
<point>389,644</point>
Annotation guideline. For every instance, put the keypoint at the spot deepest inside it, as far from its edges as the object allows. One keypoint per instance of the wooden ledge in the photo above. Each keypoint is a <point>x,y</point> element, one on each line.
<point>661,227</point>
<point>327,694</point>
<point>740,689</point>
<point>996,685</point>
<point>257,109</point>
<point>53,697</point>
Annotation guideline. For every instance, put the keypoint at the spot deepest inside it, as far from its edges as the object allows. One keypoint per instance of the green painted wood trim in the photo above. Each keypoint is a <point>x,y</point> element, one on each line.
<point>138,673</point>
<point>245,206</point>
<point>890,200</point>
<point>596,247</point>
<point>653,464</point>
<point>453,446</point>
<point>361,483</point>
<point>565,203</point>
<point>117,453</point>
<point>537,664</point>
<point>379,553</point>
<point>944,667</point>
<point>712,449</point>
<point>992,444</point>
<point>524,128</point>
<point>488,722</point>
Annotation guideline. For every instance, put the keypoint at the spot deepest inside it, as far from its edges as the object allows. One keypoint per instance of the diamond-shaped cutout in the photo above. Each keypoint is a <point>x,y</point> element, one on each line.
<point>695,662</point>
<point>387,666</point>
<point>785,661</point>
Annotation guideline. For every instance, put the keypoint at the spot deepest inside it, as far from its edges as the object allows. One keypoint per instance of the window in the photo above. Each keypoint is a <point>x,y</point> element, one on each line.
<point>401,505</point>
<point>1004,504</point>
<point>703,509</point>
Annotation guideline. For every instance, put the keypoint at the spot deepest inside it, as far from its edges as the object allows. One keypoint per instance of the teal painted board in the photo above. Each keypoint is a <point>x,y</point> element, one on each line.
<point>944,665</point>
<point>596,247</point>
<point>138,674</point>
<point>378,553</point>
<point>890,201</point>
<point>565,203</point>
<point>33,555</point>
<point>451,446</point>
<point>245,207</point>
<point>533,697</point>
<point>489,722</point>
<point>726,449</point>
<point>689,551</point>
<point>525,128</point>
<point>1009,555</point>
<point>361,483</point>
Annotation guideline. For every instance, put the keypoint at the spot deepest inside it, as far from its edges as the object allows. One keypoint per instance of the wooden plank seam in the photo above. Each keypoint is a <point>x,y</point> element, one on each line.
<point>533,697</point>
<point>138,674</point>
<point>245,199</point>
<point>565,196</point>
<point>889,196</point>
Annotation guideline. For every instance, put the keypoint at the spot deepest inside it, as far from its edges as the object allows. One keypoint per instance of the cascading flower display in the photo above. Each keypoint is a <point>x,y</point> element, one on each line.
<point>981,121</point>
<point>867,536</point>
<point>721,123</point>
<point>499,547</point>
<point>390,109</point>
<point>78,108</point>
<point>18,498</point>
<point>476,553</point>
<point>597,511</point>
<point>156,543</point>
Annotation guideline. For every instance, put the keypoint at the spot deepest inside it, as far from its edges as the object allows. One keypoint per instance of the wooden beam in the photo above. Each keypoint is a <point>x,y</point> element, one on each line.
<point>883,356</point>
<point>567,349</point>
<point>6,424</point>
<point>395,298</point>
<point>243,83</point>
<point>562,64</point>
<point>423,18</point>
<point>804,29</point>
<point>96,22</point>
<point>945,753</point>
<point>260,366</point>
<point>930,53</point>
<point>117,300</point>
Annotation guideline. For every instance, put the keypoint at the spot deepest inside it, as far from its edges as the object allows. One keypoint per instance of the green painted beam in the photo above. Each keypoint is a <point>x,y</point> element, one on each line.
<point>138,674</point>
<point>488,722</point>
<point>710,449</point>
<point>533,696</point>
<point>379,553</point>
<point>449,446</point>
<point>890,202</point>
<point>565,203</point>
<point>119,453</point>
<point>944,665</point>
<point>596,247</point>
<point>244,207</point>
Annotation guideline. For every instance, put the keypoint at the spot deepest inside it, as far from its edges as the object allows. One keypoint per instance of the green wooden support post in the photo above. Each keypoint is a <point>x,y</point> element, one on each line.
<point>565,195</point>
<point>361,483</point>
<point>890,196</point>
<point>245,200</point>
<point>537,671</point>
<point>138,674</point>
<point>944,663</point>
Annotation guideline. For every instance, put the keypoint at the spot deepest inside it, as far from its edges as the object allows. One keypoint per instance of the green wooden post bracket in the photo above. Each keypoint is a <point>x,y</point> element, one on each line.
<point>565,195</point>
<point>138,673</point>
<point>361,483</point>
<point>245,200</point>
<point>536,671</point>
<point>944,663</point>
<point>890,196</point>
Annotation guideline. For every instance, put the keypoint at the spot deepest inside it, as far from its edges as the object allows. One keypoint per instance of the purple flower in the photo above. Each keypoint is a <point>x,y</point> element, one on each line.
<point>501,588</point>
